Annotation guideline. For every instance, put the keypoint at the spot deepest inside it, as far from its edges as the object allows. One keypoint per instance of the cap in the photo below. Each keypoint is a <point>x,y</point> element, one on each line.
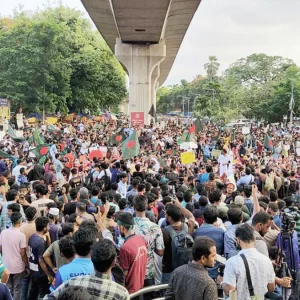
<point>54,211</point>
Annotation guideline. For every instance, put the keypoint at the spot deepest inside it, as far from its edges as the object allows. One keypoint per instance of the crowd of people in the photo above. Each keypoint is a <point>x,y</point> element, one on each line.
<point>76,226</point>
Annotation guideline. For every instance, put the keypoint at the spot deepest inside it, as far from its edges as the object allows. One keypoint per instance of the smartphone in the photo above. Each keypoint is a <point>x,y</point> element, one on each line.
<point>92,209</point>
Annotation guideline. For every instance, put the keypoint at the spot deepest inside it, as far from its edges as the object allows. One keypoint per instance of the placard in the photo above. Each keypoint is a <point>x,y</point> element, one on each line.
<point>20,121</point>
<point>216,153</point>
<point>187,158</point>
<point>137,118</point>
<point>245,130</point>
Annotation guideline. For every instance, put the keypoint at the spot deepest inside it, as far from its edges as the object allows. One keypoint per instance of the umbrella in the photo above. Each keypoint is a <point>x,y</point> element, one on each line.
<point>188,145</point>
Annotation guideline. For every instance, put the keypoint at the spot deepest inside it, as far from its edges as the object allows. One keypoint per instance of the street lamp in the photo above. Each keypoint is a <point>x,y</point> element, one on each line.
<point>292,102</point>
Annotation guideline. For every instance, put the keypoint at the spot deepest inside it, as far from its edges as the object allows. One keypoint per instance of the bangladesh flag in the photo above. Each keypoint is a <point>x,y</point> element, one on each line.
<point>41,150</point>
<point>13,135</point>
<point>268,143</point>
<point>117,138</point>
<point>53,131</point>
<point>194,129</point>
<point>36,138</point>
<point>3,154</point>
<point>131,146</point>
<point>182,139</point>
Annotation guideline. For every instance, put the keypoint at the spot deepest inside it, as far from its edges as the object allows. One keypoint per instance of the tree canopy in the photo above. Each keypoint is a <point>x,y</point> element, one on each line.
<point>53,59</point>
<point>258,86</point>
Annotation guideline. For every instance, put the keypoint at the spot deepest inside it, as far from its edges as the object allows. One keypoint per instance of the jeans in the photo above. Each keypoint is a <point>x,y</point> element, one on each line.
<point>39,287</point>
<point>15,285</point>
<point>25,287</point>
<point>165,278</point>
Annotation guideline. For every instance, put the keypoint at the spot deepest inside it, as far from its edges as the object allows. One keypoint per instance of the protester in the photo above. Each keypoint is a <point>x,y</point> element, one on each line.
<point>93,180</point>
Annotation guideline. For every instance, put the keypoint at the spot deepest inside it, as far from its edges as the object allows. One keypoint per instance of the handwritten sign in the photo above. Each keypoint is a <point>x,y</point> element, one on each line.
<point>187,158</point>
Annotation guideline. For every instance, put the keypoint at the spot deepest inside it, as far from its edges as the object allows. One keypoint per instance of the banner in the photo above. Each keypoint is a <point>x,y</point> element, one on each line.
<point>3,102</point>
<point>187,158</point>
<point>137,118</point>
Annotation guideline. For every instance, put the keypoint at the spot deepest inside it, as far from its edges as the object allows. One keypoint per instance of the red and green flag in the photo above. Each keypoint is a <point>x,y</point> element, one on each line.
<point>182,139</point>
<point>131,146</point>
<point>117,138</point>
<point>194,129</point>
<point>268,143</point>
<point>36,138</point>
<point>41,150</point>
<point>54,131</point>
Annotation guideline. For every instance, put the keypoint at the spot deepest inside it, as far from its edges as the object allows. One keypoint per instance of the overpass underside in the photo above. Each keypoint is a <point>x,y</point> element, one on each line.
<point>145,36</point>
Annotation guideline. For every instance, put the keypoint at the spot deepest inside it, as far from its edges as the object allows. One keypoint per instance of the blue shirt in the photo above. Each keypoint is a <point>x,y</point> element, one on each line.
<point>277,221</point>
<point>285,246</point>
<point>217,234</point>
<point>204,177</point>
<point>78,267</point>
<point>229,241</point>
<point>246,179</point>
<point>249,204</point>
<point>4,292</point>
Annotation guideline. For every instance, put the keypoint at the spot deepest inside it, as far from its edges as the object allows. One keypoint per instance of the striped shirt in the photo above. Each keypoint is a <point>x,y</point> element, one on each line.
<point>100,286</point>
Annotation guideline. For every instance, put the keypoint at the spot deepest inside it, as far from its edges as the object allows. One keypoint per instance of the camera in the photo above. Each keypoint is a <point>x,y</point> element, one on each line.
<point>289,218</point>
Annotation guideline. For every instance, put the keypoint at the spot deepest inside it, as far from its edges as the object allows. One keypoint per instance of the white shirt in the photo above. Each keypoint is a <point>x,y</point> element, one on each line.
<point>261,272</point>
<point>122,189</point>
<point>16,171</point>
<point>102,173</point>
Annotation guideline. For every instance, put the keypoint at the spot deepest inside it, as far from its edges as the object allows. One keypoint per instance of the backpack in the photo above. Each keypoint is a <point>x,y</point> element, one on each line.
<point>181,245</point>
<point>106,180</point>
<point>89,178</point>
<point>293,187</point>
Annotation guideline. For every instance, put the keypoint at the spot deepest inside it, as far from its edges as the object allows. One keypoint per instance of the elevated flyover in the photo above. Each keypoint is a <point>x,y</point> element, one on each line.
<point>145,36</point>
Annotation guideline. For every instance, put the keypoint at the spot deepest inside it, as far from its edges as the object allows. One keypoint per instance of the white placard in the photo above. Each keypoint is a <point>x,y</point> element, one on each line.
<point>298,151</point>
<point>19,133</point>
<point>2,134</point>
<point>20,121</point>
<point>245,130</point>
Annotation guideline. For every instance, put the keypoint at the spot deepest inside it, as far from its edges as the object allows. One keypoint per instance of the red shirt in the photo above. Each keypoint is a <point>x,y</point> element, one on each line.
<point>133,257</point>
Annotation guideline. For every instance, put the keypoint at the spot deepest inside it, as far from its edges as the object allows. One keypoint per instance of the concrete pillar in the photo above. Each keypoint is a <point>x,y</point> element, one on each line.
<point>154,78</point>
<point>140,62</point>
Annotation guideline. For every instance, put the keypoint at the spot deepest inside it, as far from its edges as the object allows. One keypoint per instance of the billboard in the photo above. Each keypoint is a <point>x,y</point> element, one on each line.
<point>137,118</point>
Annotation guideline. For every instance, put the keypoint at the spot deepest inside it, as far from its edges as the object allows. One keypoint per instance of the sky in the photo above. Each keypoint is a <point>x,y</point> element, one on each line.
<point>227,29</point>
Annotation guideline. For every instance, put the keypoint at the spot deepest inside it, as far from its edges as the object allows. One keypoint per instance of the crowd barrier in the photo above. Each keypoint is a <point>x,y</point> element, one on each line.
<point>140,294</point>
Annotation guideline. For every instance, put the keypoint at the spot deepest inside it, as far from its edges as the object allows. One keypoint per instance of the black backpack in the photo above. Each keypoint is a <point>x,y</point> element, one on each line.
<point>293,187</point>
<point>89,178</point>
<point>182,244</point>
<point>106,181</point>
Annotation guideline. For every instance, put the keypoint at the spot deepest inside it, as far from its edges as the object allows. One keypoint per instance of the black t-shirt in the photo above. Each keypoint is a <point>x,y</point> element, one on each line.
<point>70,208</point>
<point>37,247</point>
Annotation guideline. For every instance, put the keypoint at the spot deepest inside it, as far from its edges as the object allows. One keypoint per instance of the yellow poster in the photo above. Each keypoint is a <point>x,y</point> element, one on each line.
<point>187,157</point>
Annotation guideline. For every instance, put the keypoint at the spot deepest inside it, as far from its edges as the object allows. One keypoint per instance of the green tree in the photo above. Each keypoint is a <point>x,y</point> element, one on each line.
<point>53,59</point>
<point>212,67</point>
<point>259,68</point>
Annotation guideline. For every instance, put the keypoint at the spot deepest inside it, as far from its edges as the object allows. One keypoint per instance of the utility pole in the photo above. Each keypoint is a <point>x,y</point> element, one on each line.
<point>292,105</point>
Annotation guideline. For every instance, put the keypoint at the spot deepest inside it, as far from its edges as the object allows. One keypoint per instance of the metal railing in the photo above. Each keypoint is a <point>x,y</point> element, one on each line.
<point>150,289</point>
